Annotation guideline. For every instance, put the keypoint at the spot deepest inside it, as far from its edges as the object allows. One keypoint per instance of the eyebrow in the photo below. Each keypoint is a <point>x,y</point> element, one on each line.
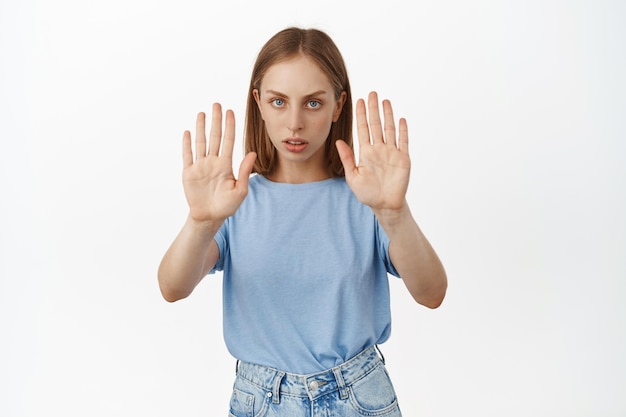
<point>278,93</point>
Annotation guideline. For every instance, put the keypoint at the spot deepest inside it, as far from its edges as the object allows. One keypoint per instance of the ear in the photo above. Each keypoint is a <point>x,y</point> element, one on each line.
<point>257,98</point>
<point>340,103</point>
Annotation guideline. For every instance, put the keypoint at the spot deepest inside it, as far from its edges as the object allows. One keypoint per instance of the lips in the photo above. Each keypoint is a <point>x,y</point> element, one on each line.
<point>295,144</point>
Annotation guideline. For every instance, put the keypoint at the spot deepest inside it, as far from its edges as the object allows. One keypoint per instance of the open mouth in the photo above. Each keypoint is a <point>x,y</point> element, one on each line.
<point>295,145</point>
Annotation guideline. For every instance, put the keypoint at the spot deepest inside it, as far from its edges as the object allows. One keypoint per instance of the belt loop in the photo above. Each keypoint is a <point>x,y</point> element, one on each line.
<point>343,392</point>
<point>382,357</point>
<point>276,388</point>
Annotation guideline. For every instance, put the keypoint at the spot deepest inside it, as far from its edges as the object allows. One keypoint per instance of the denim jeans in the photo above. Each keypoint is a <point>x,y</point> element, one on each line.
<point>358,387</point>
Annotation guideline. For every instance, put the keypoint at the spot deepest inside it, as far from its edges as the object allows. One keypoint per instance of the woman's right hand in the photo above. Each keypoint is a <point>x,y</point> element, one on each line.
<point>212,191</point>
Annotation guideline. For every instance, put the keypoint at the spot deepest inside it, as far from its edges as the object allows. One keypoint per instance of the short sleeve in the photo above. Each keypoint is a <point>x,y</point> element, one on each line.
<point>221,238</point>
<point>382,241</point>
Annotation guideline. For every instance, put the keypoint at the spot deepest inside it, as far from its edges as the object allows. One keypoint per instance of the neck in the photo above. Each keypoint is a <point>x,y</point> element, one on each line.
<point>298,174</point>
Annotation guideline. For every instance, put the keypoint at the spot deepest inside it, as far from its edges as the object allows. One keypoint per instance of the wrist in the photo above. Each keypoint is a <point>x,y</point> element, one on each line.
<point>205,226</point>
<point>390,218</point>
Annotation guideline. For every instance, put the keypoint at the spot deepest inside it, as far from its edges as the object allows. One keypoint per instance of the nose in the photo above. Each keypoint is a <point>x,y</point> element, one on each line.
<point>296,120</point>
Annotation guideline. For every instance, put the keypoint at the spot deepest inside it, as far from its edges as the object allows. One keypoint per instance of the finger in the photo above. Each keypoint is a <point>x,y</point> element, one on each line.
<point>215,135</point>
<point>245,170</point>
<point>229,134</point>
<point>362,128</point>
<point>376,128</point>
<point>390,127</point>
<point>346,156</point>
<point>200,136</point>
<point>403,138</point>
<point>187,153</point>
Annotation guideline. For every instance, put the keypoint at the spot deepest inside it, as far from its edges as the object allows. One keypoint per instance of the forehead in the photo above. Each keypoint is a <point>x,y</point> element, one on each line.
<point>298,75</point>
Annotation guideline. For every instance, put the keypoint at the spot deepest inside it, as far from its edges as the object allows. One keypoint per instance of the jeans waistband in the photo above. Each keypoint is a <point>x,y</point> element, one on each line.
<point>315,385</point>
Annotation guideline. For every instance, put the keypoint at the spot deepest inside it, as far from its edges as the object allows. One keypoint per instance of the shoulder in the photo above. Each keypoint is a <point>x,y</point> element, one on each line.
<point>255,180</point>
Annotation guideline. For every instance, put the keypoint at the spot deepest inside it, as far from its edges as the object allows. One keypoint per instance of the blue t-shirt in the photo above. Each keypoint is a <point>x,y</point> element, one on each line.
<point>305,281</point>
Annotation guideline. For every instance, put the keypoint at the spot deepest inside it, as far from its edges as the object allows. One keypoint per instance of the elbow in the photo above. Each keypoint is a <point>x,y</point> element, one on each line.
<point>171,294</point>
<point>438,293</point>
<point>432,303</point>
<point>433,298</point>
<point>170,286</point>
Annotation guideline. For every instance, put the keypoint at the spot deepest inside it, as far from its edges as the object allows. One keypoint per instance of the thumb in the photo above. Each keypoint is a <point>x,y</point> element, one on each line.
<point>347,156</point>
<point>245,169</point>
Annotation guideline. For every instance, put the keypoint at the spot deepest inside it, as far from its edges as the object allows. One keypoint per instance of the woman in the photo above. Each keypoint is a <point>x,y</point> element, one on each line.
<point>307,243</point>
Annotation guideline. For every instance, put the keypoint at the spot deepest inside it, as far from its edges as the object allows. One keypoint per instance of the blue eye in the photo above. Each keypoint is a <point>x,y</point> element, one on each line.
<point>314,104</point>
<point>278,102</point>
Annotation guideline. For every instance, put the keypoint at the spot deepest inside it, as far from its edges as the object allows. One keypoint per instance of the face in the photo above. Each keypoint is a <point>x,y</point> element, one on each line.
<point>298,105</point>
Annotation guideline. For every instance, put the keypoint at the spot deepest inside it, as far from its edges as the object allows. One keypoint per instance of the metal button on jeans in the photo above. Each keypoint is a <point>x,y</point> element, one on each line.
<point>313,385</point>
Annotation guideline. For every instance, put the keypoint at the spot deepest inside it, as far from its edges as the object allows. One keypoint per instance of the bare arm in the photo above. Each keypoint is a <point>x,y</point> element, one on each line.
<point>213,194</point>
<point>381,180</point>
<point>414,258</point>
<point>189,258</point>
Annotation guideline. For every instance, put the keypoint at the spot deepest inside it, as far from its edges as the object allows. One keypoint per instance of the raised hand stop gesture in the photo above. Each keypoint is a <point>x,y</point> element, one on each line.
<point>211,189</point>
<point>381,177</point>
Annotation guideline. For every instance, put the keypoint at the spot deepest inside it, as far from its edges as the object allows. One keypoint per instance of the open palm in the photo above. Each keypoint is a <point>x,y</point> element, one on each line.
<point>381,178</point>
<point>212,191</point>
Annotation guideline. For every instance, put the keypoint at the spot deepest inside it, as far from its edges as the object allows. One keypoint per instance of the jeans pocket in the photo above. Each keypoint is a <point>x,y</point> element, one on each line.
<point>248,400</point>
<point>373,395</point>
<point>241,404</point>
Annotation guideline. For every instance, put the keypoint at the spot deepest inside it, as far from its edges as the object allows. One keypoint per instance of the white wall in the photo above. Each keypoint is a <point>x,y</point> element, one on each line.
<point>517,116</point>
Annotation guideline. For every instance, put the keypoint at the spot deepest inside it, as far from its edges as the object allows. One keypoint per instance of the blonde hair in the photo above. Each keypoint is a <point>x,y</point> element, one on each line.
<point>321,49</point>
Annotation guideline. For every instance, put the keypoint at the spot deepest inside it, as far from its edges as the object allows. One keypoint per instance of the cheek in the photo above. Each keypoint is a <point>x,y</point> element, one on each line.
<point>325,121</point>
<point>272,128</point>
<point>321,127</point>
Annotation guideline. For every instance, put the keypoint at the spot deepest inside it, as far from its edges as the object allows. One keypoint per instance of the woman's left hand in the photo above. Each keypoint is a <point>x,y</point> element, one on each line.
<point>381,178</point>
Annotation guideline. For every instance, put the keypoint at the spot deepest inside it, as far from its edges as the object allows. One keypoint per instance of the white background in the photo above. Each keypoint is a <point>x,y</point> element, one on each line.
<point>517,120</point>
